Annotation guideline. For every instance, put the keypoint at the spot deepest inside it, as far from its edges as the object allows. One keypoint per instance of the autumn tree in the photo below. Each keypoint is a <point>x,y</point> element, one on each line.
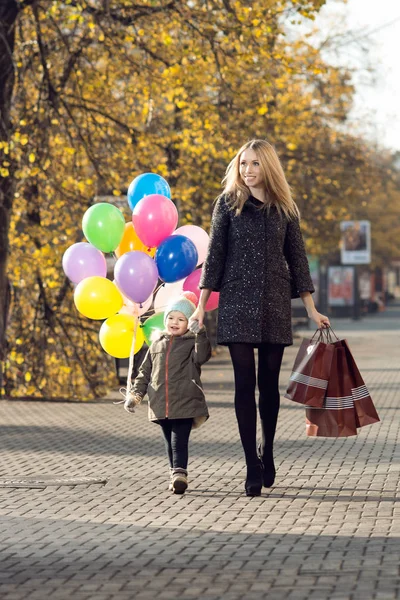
<point>98,92</point>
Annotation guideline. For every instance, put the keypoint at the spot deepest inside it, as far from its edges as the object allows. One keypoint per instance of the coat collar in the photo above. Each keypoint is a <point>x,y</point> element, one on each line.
<point>165,335</point>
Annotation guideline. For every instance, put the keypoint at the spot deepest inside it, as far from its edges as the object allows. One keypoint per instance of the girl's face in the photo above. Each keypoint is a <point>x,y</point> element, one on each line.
<point>250,169</point>
<point>177,323</point>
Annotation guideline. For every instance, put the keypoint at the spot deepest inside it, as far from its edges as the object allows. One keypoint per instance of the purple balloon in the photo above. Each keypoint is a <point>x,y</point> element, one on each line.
<point>83,260</point>
<point>136,275</point>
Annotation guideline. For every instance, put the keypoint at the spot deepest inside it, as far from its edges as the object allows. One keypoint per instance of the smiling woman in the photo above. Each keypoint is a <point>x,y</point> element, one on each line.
<point>256,260</point>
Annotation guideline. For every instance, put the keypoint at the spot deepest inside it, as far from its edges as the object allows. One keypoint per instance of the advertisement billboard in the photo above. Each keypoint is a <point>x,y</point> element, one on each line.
<point>355,243</point>
<point>341,286</point>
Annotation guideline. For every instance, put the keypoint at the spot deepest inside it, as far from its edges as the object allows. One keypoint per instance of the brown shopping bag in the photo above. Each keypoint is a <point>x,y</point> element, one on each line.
<point>337,417</point>
<point>365,410</point>
<point>312,366</point>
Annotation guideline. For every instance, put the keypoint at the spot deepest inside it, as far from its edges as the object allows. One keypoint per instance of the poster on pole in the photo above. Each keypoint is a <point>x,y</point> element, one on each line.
<point>355,244</point>
<point>341,286</point>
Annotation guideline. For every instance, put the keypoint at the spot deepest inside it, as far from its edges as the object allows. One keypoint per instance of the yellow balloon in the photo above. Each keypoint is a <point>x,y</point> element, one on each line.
<point>116,335</point>
<point>97,298</point>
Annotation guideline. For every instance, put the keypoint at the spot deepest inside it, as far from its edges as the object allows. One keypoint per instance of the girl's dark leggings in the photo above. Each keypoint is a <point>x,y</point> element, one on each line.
<point>176,436</point>
<point>269,365</point>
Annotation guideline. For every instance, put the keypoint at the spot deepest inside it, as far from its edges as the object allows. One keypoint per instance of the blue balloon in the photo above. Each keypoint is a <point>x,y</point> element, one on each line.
<point>146,184</point>
<point>176,257</point>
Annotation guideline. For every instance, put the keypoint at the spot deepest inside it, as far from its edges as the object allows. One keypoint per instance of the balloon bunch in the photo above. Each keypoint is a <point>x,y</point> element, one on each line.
<point>154,262</point>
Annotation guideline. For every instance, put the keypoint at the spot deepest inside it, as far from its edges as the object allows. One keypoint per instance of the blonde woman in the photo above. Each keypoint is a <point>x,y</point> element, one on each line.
<point>257,261</point>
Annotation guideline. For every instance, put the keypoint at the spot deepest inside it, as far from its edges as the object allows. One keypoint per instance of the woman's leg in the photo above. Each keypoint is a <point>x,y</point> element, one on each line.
<point>269,366</point>
<point>180,429</point>
<point>244,369</point>
<point>167,432</point>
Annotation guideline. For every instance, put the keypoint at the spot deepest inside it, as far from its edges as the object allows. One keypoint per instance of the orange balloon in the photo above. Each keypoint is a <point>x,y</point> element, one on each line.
<point>130,242</point>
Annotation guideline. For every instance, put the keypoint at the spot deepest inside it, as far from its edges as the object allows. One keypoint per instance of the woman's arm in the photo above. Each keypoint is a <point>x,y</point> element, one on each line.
<point>199,313</point>
<point>214,265</point>
<point>296,259</point>
<point>320,320</point>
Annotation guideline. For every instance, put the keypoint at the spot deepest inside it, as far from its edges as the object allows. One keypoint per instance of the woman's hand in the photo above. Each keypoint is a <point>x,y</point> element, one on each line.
<point>321,321</point>
<point>197,316</point>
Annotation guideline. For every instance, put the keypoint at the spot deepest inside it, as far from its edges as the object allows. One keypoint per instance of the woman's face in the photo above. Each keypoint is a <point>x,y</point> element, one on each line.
<point>250,169</point>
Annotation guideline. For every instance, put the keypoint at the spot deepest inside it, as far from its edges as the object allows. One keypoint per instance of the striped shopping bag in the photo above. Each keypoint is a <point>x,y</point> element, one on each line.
<point>337,416</point>
<point>365,409</point>
<point>347,404</point>
<point>311,370</point>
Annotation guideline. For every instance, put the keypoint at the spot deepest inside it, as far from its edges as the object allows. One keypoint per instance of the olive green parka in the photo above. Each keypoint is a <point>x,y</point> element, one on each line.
<point>170,376</point>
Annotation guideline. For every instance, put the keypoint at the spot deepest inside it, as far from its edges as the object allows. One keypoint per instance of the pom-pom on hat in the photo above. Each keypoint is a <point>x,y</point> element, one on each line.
<point>192,297</point>
<point>184,305</point>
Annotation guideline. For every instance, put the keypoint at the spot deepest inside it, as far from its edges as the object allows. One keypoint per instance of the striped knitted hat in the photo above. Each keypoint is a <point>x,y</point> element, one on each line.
<point>184,305</point>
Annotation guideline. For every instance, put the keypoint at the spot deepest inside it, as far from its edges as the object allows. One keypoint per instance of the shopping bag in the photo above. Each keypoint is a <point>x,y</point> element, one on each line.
<point>347,404</point>
<point>312,366</point>
<point>365,410</point>
<point>337,417</point>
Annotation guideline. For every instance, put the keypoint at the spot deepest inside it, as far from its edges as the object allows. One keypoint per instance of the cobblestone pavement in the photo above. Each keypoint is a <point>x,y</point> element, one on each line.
<point>329,529</point>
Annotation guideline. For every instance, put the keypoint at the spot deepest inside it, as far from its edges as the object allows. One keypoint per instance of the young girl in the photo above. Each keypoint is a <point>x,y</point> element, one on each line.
<point>256,260</point>
<point>170,375</point>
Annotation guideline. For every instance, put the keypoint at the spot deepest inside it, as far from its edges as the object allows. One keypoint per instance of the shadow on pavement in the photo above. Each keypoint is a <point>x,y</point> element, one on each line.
<point>129,558</point>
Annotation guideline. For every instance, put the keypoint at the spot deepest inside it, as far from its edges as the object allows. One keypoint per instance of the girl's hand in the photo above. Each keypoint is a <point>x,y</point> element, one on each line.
<point>321,321</point>
<point>131,401</point>
<point>197,316</point>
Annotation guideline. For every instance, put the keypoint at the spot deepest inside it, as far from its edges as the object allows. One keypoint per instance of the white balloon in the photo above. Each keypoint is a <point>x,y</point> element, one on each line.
<point>166,293</point>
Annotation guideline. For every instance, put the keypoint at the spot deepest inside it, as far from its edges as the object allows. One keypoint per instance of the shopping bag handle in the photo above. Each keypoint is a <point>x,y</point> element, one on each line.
<point>325,335</point>
<point>328,333</point>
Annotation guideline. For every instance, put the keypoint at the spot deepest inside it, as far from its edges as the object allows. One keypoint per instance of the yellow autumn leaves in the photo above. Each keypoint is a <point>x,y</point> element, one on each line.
<point>175,92</point>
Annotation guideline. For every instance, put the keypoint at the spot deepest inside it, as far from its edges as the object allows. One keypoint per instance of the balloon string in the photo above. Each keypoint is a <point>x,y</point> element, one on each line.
<point>126,392</point>
<point>159,287</point>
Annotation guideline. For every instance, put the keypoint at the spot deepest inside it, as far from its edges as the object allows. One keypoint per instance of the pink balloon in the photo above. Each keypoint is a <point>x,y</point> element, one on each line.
<point>191,284</point>
<point>199,237</point>
<point>154,218</point>
<point>166,293</point>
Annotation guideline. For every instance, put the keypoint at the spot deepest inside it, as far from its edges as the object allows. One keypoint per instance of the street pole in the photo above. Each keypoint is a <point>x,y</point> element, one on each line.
<point>356,307</point>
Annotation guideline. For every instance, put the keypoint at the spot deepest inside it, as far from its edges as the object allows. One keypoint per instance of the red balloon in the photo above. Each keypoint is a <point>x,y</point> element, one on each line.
<point>191,284</point>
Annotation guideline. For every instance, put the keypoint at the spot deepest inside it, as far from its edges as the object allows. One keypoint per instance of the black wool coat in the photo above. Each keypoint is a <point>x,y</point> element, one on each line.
<point>257,261</point>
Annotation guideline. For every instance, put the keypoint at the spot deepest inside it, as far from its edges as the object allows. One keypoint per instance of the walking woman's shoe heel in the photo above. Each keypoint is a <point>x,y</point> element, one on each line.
<point>254,480</point>
<point>268,469</point>
<point>269,477</point>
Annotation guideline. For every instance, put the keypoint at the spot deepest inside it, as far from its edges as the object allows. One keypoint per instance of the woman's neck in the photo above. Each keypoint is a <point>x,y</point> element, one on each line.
<point>259,194</point>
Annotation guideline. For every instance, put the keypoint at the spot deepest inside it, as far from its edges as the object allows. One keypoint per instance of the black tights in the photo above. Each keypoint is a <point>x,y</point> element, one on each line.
<point>269,364</point>
<point>176,436</point>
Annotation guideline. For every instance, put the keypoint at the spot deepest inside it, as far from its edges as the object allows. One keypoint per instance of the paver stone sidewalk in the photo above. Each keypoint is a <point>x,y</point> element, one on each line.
<point>329,529</point>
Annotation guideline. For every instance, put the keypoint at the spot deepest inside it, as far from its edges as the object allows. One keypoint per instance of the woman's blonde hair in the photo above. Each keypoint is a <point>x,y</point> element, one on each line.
<point>277,188</point>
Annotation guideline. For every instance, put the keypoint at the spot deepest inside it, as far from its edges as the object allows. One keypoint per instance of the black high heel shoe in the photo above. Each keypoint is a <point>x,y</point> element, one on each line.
<point>254,479</point>
<point>269,472</point>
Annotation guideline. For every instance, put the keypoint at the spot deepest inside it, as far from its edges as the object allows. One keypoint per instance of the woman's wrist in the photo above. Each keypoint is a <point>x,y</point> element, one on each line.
<point>204,296</point>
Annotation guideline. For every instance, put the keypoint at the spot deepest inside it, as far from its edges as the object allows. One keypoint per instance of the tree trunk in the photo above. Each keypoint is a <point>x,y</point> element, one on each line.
<point>8,16</point>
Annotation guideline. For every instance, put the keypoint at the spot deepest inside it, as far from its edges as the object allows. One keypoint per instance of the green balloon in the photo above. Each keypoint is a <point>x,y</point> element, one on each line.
<point>103,226</point>
<point>152,324</point>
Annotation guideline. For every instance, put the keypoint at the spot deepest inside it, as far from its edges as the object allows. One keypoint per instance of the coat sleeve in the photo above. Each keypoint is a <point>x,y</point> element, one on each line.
<point>214,265</point>
<point>296,259</point>
<point>202,348</point>
<point>143,378</point>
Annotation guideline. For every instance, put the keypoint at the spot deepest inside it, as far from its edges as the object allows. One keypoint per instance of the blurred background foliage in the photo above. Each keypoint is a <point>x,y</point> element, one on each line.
<point>97,92</point>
